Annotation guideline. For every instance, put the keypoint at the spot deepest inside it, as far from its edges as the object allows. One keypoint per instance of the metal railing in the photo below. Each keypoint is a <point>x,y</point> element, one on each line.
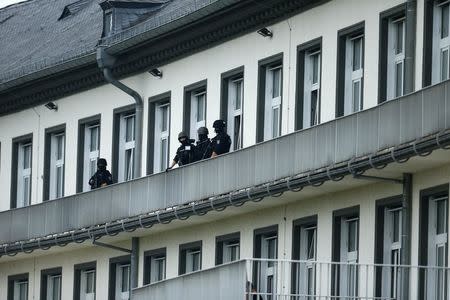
<point>272,279</point>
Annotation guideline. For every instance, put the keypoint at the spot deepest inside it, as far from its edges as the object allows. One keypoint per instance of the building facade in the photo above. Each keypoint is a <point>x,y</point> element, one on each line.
<point>337,181</point>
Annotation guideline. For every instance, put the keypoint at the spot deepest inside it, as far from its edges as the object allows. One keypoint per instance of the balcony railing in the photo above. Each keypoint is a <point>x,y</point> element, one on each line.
<point>270,279</point>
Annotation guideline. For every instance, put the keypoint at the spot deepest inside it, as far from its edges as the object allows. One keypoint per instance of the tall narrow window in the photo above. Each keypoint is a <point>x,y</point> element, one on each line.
<point>235,104</point>
<point>154,266</point>
<point>162,125</point>
<point>21,172</point>
<point>227,248</point>
<point>91,152</point>
<point>198,111</point>
<point>56,164</point>
<point>127,146</point>
<point>266,247</point>
<point>85,281</point>
<point>122,281</point>
<point>350,71</point>
<point>392,252</point>
<point>18,287</point>
<point>190,258</point>
<point>194,109</point>
<point>441,41</point>
<point>437,246</point>
<point>311,98</point>
<point>273,102</point>
<point>51,284</point>
<point>396,57</point>
<point>345,272</point>
<point>354,74</point>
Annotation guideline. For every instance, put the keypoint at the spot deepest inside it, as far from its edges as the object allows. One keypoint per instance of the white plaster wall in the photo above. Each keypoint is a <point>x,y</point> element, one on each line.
<point>247,50</point>
<point>283,215</point>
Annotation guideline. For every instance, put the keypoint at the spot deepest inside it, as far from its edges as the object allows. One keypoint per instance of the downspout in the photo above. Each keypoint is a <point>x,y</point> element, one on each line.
<point>410,45</point>
<point>405,257</point>
<point>105,62</point>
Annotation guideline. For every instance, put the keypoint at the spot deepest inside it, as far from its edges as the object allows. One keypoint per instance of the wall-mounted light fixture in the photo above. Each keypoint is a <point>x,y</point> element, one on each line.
<point>156,72</point>
<point>265,32</point>
<point>52,106</point>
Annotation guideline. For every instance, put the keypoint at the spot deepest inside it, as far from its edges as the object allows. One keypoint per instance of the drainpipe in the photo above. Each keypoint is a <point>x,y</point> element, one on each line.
<point>406,233</point>
<point>134,264</point>
<point>105,62</point>
<point>410,45</point>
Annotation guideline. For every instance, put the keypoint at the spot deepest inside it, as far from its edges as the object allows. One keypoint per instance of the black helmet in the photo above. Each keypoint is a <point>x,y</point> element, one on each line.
<point>203,131</point>
<point>182,135</point>
<point>101,162</point>
<point>219,124</point>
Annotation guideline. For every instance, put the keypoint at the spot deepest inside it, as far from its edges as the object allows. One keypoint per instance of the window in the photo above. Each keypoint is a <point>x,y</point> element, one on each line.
<point>441,41</point>
<point>345,251</point>
<point>266,247</point>
<point>85,281</point>
<point>126,146</point>
<point>88,151</point>
<point>154,266</point>
<point>235,102</point>
<point>21,171</point>
<point>350,70</point>
<point>270,98</point>
<point>194,108</point>
<point>232,105</point>
<point>304,249</point>
<point>162,119</point>
<point>119,278</point>
<point>18,287</point>
<point>55,145</point>
<point>396,58</point>
<point>309,56</point>
<point>190,258</point>
<point>227,248</point>
<point>51,284</point>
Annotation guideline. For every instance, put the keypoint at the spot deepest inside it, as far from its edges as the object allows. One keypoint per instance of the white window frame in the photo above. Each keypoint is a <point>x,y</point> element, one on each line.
<point>348,270</point>
<point>353,77</point>
<point>395,57</point>
<point>230,248</point>
<point>392,251</point>
<point>157,268</point>
<point>310,87</point>
<point>84,295</point>
<point>436,279</point>
<point>17,289</point>
<point>195,122</point>
<point>120,293</point>
<point>272,103</point>
<point>235,88</point>
<point>90,156</point>
<point>190,256</point>
<point>24,174</point>
<point>55,164</point>
<point>440,45</point>
<point>125,147</point>
<point>268,269</point>
<point>303,285</point>
<point>160,164</point>
<point>51,281</point>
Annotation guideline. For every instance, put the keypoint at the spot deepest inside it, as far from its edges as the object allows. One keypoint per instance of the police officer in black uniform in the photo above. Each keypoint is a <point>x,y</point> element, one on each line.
<point>102,177</point>
<point>185,153</point>
<point>203,149</point>
<point>221,143</point>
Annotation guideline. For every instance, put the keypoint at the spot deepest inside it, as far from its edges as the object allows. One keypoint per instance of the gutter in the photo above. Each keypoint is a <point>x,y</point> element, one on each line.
<point>105,63</point>
<point>353,167</point>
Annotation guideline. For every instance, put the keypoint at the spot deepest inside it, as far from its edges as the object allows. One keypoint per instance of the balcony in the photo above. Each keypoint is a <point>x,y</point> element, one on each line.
<point>391,132</point>
<point>270,279</point>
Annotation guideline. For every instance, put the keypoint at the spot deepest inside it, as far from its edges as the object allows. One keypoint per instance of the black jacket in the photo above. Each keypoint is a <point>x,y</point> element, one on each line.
<point>203,150</point>
<point>185,154</point>
<point>221,143</point>
<point>100,178</point>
